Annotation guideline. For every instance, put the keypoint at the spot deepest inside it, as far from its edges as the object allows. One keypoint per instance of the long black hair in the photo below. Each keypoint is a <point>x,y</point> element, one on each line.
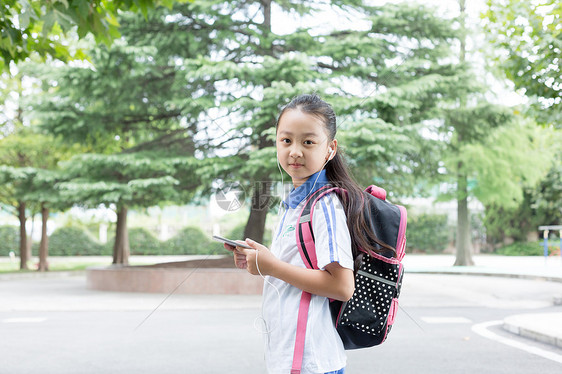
<point>363,239</point>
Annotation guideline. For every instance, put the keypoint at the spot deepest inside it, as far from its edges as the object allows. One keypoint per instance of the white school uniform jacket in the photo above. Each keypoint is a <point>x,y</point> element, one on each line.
<point>323,351</point>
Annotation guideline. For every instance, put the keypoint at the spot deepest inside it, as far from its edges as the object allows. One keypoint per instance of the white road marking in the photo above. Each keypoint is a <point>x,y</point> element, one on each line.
<point>438,320</point>
<point>24,320</point>
<point>482,330</point>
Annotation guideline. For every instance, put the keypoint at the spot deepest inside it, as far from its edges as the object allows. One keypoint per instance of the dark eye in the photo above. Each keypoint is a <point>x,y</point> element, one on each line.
<point>285,140</point>
<point>308,142</point>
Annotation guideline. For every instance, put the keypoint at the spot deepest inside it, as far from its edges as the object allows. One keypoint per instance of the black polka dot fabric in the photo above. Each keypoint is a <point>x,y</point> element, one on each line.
<point>368,316</point>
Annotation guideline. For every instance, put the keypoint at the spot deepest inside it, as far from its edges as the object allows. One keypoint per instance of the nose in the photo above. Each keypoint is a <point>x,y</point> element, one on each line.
<point>295,151</point>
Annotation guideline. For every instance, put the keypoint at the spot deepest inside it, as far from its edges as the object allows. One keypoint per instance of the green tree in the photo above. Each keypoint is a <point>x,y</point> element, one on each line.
<point>125,181</point>
<point>11,107</point>
<point>22,146</point>
<point>16,182</point>
<point>29,161</point>
<point>525,40</point>
<point>483,157</point>
<point>526,44</point>
<point>500,176</point>
<point>46,196</point>
<point>37,26</point>
<point>547,197</point>
<point>499,169</point>
<point>130,99</point>
<point>541,205</point>
<point>398,61</point>
<point>212,77</point>
<point>134,109</point>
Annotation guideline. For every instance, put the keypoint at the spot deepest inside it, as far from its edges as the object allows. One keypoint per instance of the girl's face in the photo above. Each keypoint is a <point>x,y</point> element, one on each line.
<point>302,145</point>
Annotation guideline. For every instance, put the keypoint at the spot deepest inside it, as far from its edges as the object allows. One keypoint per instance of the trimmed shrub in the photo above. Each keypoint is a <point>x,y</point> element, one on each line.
<point>72,241</point>
<point>428,233</point>
<point>192,240</point>
<point>142,242</point>
<point>9,240</point>
<point>237,233</point>
<point>526,249</point>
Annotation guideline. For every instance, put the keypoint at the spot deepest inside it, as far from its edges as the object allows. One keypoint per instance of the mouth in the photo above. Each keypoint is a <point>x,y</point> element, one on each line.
<point>296,165</point>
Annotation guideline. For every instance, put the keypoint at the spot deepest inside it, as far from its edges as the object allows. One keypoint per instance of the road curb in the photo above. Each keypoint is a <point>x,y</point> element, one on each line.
<point>522,325</point>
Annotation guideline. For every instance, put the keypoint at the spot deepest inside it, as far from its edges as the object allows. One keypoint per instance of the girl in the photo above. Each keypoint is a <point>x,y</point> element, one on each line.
<point>307,151</point>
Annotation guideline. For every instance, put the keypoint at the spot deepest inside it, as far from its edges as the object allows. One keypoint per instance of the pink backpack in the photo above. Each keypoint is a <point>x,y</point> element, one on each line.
<point>366,319</point>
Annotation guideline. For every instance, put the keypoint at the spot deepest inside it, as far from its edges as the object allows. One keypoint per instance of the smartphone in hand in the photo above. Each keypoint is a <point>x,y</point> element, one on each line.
<point>230,242</point>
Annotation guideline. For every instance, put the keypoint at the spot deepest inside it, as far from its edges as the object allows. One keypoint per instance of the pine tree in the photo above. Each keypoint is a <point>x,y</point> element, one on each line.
<point>29,174</point>
<point>207,81</point>
<point>140,179</point>
<point>396,62</point>
<point>128,108</point>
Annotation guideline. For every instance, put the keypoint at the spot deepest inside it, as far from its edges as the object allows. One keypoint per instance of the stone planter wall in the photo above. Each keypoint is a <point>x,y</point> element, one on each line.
<point>165,280</point>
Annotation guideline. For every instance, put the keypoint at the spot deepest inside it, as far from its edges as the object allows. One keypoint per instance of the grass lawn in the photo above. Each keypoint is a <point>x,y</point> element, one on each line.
<point>14,267</point>
<point>76,263</point>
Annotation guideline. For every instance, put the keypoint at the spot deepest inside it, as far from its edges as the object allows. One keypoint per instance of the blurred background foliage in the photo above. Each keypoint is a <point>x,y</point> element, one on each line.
<point>135,104</point>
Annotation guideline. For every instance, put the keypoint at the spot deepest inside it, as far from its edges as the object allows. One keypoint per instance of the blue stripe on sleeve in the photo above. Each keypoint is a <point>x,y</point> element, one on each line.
<point>329,226</point>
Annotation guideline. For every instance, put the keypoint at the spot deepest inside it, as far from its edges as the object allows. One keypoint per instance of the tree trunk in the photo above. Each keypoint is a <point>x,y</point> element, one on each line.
<point>261,197</point>
<point>464,250</point>
<point>44,245</point>
<point>261,200</point>
<point>121,247</point>
<point>267,15</point>
<point>23,236</point>
<point>30,237</point>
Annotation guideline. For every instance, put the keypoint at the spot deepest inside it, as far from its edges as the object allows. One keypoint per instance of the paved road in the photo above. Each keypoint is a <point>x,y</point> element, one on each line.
<point>446,325</point>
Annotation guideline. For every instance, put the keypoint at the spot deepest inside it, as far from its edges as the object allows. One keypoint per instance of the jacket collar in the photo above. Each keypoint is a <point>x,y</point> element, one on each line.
<point>312,184</point>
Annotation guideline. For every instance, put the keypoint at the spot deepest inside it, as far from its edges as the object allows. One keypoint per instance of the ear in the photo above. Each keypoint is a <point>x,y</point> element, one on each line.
<point>332,148</point>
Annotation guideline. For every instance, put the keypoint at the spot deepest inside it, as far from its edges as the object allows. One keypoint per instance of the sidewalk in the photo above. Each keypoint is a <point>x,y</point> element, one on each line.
<point>529,267</point>
<point>543,327</point>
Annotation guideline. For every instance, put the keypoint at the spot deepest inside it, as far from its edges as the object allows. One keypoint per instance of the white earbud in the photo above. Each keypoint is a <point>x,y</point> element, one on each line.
<point>331,153</point>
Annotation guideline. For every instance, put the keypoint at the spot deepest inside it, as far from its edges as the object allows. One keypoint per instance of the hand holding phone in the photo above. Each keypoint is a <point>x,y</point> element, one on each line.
<point>239,257</point>
<point>231,242</point>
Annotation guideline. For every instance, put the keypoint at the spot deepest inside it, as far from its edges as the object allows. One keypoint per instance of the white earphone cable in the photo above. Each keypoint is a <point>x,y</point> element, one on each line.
<point>318,176</point>
<point>282,184</point>
<point>267,331</point>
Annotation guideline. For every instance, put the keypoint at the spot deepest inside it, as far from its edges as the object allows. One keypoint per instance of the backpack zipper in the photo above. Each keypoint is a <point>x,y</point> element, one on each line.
<point>374,277</point>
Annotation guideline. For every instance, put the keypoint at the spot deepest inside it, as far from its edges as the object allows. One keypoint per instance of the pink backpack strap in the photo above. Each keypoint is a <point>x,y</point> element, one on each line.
<point>307,250</point>
<point>301,332</point>
<point>305,236</point>
<point>376,191</point>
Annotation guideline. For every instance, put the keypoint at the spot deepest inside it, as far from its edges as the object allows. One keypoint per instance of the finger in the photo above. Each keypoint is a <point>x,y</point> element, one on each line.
<point>255,245</point>
<point>245,251</point>
<point>242,264</point>
<point>229,247</point>
<point>240,260</point>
